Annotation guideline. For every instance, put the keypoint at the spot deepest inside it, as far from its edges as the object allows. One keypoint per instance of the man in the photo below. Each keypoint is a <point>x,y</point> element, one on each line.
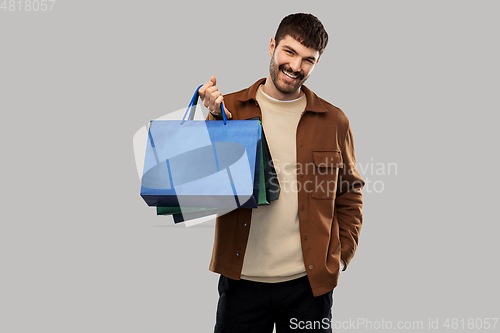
<point>280,263</point>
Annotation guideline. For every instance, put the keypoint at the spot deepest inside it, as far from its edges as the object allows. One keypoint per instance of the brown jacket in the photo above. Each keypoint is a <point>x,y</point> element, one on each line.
<point>329,185</point>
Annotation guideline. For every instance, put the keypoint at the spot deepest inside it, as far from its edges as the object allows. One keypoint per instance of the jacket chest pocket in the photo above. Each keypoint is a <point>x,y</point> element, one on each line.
<point>325,175</point>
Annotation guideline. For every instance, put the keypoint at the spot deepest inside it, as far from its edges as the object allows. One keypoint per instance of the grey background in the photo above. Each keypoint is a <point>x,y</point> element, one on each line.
<point>81,252</point>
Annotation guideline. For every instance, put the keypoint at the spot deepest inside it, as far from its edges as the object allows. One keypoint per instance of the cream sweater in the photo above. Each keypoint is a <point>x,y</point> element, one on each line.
<point>274,251</point>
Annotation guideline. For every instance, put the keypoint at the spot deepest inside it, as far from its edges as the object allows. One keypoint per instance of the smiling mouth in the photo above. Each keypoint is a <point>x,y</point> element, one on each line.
<point>289,75</point>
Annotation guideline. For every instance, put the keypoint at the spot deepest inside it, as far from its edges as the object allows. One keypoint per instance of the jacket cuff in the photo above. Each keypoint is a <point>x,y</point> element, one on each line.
<point>342,263</point>
<point>211,116</point>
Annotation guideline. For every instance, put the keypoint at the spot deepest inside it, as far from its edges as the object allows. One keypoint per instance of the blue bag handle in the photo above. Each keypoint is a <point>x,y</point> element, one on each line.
<point>193,102</point>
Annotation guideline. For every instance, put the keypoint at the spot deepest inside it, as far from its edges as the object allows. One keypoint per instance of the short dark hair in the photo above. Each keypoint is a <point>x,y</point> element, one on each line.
<point>305,28</point>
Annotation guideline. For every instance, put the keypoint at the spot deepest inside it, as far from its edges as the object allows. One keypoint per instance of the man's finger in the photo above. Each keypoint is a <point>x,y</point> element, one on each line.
<point>213,80</point>
<point>210,90</point>
<point>213,100</point>
<point>215,95</point>
<point>202,89</point>
<point>219,100</point>
<point>208,95</point>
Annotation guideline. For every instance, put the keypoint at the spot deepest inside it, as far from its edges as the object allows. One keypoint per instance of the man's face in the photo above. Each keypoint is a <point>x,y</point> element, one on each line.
<point>291,64</point>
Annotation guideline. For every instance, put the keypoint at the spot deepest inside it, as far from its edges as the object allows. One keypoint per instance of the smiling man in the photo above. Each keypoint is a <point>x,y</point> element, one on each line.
<point>291,65</point>
<point>280,263</point>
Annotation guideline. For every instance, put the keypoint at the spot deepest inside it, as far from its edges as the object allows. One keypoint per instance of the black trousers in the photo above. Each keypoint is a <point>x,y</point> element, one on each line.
<point>255,307</point>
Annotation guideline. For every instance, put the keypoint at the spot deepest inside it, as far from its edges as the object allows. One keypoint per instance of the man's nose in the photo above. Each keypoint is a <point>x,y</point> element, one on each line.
<point>295,64</point>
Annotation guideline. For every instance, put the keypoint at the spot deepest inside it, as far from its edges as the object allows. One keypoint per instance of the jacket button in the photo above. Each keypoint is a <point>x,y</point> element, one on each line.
<point>311,266</point>
<point>302,207</point>
<point>244,224</point>
<point>238,254</point>
<point>301,144</point>
<point>305,238</point>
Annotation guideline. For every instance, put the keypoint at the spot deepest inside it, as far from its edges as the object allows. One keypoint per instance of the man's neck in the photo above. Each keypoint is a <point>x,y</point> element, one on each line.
<point>270,90</point>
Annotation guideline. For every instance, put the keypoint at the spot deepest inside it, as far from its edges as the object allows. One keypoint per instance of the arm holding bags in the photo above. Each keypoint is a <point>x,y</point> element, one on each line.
<point>197,168</point>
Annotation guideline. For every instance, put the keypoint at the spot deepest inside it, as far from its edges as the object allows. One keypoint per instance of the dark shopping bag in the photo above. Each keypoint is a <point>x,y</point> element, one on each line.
<point>272,186</point>
<point>211,164</point>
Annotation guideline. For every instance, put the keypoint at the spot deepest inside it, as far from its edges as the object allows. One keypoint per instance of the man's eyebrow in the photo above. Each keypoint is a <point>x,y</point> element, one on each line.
<point>289,48</point>
<point>295,52</point>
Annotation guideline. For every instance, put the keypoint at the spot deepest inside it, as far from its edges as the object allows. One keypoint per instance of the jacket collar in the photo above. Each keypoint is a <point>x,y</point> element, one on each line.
<point>314,103</point>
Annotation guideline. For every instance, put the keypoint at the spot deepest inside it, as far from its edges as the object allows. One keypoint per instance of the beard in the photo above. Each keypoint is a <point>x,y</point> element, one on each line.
<point>281,85</point>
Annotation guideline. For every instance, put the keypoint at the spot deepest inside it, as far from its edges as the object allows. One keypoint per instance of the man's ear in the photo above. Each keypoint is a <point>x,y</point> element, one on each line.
<point>272,46</point>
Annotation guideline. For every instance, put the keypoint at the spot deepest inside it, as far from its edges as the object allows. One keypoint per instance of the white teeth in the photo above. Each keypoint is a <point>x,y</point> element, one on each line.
<point>289,75</point>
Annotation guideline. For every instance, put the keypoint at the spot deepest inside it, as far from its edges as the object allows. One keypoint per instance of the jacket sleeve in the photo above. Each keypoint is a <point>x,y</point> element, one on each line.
<point>349,201</point>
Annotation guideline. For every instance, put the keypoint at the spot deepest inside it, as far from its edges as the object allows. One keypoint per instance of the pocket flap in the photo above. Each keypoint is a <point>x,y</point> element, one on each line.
<point>328,159</point>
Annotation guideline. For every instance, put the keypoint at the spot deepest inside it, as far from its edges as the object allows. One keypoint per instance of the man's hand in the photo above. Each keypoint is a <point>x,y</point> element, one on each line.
<point>212,98</point>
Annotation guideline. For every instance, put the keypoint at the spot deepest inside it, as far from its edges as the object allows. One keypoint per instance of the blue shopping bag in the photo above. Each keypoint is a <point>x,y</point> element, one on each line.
<point>198,163</point>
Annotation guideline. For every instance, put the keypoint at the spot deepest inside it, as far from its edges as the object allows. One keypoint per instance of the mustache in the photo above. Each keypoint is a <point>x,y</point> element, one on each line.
<point>287,69</point>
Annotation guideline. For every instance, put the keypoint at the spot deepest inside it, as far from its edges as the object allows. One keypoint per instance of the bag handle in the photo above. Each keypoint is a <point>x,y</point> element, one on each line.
<point>192,110</point>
